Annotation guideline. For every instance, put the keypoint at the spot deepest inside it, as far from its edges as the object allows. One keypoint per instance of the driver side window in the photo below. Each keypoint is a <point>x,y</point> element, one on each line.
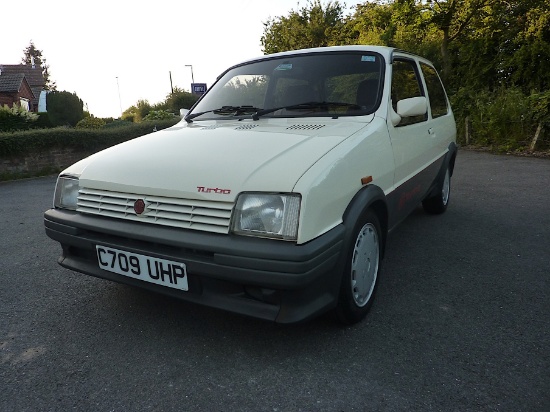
<point>406,84</point>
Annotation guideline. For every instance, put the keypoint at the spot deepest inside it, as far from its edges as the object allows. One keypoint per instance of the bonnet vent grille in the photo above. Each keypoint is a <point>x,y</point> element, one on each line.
<point>246,127</point>
<point>305,127</point>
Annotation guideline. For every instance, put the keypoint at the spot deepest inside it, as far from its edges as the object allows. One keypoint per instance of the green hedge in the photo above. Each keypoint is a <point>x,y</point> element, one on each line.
<point>505,120</point>
<point>28,141</point>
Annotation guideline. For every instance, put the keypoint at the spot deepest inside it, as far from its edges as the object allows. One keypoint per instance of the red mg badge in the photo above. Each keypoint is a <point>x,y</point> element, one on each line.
<point>139,206</point>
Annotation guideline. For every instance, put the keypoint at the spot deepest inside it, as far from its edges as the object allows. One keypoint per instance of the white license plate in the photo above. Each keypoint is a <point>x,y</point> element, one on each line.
<point>149,269</point>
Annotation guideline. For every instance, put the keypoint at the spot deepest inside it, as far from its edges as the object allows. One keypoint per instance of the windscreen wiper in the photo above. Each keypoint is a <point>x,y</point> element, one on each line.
<point>308,105</point>
<point>232,110</point>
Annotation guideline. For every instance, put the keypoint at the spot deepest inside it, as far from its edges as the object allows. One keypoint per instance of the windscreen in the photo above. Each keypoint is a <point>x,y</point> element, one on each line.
<point>317,84</point>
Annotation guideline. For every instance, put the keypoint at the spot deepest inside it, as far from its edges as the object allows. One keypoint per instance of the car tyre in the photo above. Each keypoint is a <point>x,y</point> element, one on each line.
<point>361,272</point>
<point>437,204</point>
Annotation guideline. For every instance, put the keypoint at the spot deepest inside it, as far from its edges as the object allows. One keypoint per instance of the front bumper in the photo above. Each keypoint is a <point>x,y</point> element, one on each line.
<point>263,278</point>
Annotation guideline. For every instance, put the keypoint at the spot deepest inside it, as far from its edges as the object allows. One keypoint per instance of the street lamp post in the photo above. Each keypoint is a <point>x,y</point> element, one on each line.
<point>119,100</point>
<point>192,77</point>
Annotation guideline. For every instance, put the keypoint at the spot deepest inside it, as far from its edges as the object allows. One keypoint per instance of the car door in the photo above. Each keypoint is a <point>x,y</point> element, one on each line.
<point>416,144</point>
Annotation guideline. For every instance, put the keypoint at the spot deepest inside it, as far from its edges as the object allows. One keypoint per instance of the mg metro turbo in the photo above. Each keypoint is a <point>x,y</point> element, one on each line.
<point>274,195</point>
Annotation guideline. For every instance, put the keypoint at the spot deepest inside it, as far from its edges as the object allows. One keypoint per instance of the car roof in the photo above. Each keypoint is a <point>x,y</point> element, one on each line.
<point>388,53</point>
<point>385,51</point>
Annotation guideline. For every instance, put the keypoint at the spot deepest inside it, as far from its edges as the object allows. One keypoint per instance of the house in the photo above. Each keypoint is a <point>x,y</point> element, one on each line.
<point>14,81</point>
<point>15,90</point>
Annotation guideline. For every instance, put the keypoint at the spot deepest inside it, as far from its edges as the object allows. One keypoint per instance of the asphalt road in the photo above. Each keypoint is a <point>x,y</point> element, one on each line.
<point>461,321</point>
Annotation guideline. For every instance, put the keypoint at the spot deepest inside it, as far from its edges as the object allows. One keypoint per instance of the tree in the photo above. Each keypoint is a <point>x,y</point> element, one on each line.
<point>493,55</point>
<point>143,108</point>
<point>64,108</point>
<point>529,59</point>
<point>453,18</point>
<point>34,55</point>
<point>428,28</point>
<point>179,99</point>
<point>314,25</point>
<point>131,114</point>
<point>397,24</point>
<point>137,112</point>
<point>371,24</point>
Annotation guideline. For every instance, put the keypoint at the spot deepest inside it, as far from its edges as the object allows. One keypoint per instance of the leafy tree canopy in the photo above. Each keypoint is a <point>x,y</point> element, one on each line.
<point>314,25</point>
<point>492,54</point>
<point>483,43</point>
<point>178,99</point>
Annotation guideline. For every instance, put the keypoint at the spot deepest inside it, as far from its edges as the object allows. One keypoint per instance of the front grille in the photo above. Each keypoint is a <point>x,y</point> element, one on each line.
<point>203,215</point>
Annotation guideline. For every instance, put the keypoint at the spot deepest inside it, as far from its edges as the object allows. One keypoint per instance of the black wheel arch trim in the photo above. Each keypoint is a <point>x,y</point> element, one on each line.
<point>451,157</point>
<point>448,162</point>
<point>369,197</point>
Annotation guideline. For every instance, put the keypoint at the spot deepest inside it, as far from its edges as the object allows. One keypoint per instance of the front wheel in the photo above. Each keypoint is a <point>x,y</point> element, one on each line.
<point>360,276</point>
<point>438,204</point>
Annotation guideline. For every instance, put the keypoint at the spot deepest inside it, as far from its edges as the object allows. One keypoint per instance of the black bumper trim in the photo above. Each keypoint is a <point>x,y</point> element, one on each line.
<point>220,267</point>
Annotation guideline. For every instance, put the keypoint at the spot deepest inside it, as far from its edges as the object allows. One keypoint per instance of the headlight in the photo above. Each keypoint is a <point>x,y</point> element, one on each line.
<point>267,215</point>
<point>66,192</point>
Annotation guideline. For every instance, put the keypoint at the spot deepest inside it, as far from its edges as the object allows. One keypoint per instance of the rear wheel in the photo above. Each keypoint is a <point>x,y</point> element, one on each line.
<point>360,276</point>
<point>438,204</point>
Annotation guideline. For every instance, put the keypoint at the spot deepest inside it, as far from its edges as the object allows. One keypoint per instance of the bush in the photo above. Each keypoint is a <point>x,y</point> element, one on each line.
<point>540,104</point>
<point>90,123</point>
<point>92,140</point>
<point>115,124</point>
<point>504,120</point>
<point>43,121</point>
<point>158,115</point>
<point>16,118</point>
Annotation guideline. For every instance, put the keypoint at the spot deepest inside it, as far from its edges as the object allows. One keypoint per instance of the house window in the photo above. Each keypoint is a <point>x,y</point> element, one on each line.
<point>24,103</point>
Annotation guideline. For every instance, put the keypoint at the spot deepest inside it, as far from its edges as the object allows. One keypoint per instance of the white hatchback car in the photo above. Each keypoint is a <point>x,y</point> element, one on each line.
<point>274,195</point>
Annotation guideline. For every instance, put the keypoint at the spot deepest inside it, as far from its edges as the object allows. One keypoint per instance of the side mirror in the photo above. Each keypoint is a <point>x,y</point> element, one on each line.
<point>414,106</point>
<point>394,117</point>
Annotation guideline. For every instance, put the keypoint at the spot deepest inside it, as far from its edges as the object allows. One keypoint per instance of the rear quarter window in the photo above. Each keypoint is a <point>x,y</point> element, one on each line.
<point>436,92</point>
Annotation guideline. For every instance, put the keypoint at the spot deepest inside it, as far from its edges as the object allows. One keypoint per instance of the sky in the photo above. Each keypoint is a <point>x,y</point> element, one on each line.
<point>114,53</point>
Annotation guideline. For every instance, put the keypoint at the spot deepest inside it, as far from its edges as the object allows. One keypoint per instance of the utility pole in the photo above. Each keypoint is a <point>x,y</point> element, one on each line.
<point>171,87</point>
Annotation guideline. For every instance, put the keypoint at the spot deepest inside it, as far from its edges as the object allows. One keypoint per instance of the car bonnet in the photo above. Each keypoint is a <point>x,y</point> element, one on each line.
<point>209,160</point>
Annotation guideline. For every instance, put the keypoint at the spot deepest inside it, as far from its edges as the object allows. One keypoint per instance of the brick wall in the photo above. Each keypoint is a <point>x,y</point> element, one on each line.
<point>8,99</point>
<point>33,163</point>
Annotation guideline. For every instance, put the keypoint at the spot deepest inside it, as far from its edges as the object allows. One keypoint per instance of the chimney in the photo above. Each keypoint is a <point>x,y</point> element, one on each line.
<point>32,62</point>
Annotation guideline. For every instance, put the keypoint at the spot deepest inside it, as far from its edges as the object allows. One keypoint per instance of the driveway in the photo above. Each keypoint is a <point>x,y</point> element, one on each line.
<point>461,321</point>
